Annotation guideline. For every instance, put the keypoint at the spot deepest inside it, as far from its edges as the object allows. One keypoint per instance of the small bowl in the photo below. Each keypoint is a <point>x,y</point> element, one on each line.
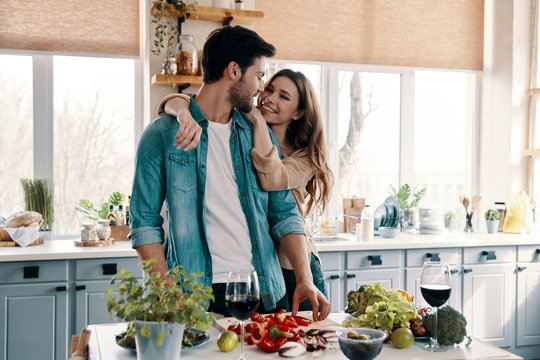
<point>389,232</point>
<point>356,349</point>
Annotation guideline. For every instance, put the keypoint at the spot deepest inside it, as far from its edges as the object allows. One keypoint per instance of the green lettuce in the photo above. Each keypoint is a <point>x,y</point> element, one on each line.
<point>374,307</point>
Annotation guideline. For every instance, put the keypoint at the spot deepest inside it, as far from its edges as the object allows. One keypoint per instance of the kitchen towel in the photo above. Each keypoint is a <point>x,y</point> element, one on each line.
<point>24,236</point>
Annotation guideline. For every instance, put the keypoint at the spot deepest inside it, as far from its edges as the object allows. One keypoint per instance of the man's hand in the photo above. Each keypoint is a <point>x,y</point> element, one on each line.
<point>308,290</point>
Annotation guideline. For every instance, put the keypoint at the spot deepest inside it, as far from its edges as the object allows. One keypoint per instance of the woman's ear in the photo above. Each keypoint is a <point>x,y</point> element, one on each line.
<point>298,115</point>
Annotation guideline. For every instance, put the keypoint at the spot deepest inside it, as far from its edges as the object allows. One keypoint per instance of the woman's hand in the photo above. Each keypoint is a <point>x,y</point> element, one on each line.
<point>189,132</point>
<point>254,116</point>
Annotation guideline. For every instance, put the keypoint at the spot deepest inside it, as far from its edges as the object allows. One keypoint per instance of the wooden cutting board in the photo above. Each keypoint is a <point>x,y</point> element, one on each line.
<point>223,323</point>
<point>107,242</point>
<point>11,243</point>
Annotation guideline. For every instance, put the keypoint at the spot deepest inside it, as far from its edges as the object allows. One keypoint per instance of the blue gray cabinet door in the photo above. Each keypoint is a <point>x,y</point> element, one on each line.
<point>35,320</point>
<point>91,305</point>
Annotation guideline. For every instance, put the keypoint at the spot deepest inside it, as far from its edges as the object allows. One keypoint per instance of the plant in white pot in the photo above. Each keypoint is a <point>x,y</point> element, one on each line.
<point>159,310</point>
<point>450,220</point>
<point>492,220</point>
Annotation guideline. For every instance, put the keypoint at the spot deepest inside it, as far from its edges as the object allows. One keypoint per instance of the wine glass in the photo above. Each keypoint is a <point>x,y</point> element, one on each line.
<point>436,287</point>
<point>242,298</point>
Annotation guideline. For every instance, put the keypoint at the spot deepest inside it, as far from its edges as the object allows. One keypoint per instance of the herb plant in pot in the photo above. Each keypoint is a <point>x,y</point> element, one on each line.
<point>160,311</point>
<point>492,221</point>
<point>450,220</point>
<point>408,199</point>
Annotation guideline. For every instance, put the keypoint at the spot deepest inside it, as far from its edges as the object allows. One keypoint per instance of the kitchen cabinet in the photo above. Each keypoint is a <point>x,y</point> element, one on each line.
<point>489,293</point>
<point>369,267</point>
<point>413,271</point>
<point>331,263</point>
<point>34,316</point>
<point>528,296</point>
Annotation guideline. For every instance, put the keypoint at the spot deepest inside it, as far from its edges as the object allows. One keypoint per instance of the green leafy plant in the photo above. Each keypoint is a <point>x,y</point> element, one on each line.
<point>152,299</point>
<point>38,197</point>
<point>450,215</point>
<point>491,215</point>
<point>407,197</point>
<point>87,207</point>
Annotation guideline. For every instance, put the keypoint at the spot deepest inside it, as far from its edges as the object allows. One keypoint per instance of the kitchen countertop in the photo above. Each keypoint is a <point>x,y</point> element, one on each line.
<point>103,346</point>
<point>66,249</point>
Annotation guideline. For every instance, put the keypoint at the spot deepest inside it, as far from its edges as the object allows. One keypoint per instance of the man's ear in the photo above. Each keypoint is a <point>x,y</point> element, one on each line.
<point>233,70</point>
<point>298,115</point>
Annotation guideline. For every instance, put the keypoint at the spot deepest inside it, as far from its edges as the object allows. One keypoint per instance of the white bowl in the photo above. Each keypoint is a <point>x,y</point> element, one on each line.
<point>388,232</point>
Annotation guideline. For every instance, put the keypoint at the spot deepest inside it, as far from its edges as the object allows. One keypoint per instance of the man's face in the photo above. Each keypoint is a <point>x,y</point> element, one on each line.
<point>249,86</point>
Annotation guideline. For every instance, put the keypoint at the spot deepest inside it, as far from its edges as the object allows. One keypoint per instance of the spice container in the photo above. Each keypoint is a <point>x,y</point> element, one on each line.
<point>88,232</point>
<point>103,229</point>
<point>186,56</point>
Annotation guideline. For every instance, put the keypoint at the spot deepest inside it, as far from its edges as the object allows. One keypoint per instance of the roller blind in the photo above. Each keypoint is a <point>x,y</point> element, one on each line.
<point>70,26</point>
<point>424,33</point>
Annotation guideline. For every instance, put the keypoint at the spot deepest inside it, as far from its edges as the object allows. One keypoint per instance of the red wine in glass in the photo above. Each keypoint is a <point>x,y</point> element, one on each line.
<point>435,294</point>
<point>242,306</point>
<point>435,286</point>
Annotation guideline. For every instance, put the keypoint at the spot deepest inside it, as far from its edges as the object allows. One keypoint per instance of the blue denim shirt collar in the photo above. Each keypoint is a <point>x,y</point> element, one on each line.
<point>199,117</point>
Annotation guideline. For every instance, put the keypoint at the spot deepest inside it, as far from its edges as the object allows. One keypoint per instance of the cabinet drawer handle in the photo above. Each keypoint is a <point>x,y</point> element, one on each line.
<point>80,287</point>
<point>537,251</point>
<point>433,256</point>
<point>351,276</point>
<point>375,259</point>
<point>454,271</point>
<point>334,277</point>
<point>61,288</point>
<point>490,255</point>
<point>521,268</point>
<point>465,271</point>
<point>31,272</point>
<point>109,269</point>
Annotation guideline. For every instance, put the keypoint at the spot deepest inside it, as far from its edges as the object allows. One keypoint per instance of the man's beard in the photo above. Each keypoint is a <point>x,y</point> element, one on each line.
<point>239,98</point>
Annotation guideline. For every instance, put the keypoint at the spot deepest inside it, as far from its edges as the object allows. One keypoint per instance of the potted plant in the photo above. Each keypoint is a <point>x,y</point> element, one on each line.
<point>450,220</point>
<point>38,197</point>
<point>87,207</point>
<point>159,309</point>
<point>492,220</point>
<point>408,199</point>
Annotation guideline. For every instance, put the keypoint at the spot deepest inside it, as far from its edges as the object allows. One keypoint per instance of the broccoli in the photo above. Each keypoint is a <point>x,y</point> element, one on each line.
<point>450,325</point>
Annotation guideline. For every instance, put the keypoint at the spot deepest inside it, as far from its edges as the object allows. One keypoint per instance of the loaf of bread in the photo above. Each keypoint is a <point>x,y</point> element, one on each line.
<point>23,218</point>
<point>4,235</point>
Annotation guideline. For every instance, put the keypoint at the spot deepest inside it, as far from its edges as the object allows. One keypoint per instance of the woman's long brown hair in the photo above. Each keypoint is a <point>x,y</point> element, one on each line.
<point>306,136</point>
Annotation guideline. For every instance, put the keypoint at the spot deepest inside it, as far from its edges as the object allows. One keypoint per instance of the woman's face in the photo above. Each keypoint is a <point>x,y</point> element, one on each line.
<point>278,102</point>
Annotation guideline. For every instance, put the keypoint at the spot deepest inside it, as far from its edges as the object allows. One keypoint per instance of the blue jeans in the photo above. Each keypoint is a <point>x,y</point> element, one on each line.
<point>318,280</point>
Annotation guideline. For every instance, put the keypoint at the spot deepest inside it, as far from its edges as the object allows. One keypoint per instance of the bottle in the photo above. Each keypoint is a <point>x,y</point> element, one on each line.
<point>501,208</point>
<point>120,216</point>
<point>186,56</point>
<point>111,217</point>
<point>127,211</point>
<point>367,224</point>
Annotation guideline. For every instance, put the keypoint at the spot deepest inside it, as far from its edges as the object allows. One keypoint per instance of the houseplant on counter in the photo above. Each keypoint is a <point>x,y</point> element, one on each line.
<point>408,198</point>
<point>159,310</point>
<point>38,197</point>
<point>492,220</point>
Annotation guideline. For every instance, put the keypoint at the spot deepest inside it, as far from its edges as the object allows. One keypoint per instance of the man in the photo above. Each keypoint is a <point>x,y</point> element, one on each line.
<point>220,219</point>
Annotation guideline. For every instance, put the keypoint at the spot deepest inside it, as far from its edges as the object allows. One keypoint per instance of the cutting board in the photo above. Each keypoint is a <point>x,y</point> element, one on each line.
<point>223,323</point>
<point>107,242</point>
<point>11,243</point>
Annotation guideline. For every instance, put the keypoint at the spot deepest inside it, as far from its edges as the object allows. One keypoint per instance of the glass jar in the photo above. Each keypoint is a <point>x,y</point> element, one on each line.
<point>186,56</point>
<point>169,66</point>
<point>88,232</point>
<point>103,229</point>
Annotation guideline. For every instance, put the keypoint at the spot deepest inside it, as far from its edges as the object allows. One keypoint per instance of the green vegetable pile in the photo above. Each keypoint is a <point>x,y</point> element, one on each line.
<point>377,308</point>
<point>450,326</point>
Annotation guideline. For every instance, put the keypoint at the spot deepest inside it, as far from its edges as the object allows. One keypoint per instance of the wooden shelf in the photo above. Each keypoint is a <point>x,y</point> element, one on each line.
<point>177,79</point>
<point>217,14</point>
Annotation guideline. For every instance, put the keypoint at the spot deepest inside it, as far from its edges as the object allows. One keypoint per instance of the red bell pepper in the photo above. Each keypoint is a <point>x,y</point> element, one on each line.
<point>257,317</point>
<point>255,336</point>
<point>248,328</point>
<point>280,341</point>
<point>267,344</point>
<point>302,321</point>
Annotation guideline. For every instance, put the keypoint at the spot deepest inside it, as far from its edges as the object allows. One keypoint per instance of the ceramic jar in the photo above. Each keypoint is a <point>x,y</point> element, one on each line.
<point>88,232</point>
<point>103,229</point>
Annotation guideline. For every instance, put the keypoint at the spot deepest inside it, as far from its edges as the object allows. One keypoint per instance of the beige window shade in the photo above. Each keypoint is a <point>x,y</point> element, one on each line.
<point>424,33</point>
<point>70,26</point>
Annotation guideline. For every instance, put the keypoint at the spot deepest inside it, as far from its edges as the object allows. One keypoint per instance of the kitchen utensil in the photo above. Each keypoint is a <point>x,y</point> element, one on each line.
<point>82,346</point>
<point>465,201</point>
<point>475,202</point>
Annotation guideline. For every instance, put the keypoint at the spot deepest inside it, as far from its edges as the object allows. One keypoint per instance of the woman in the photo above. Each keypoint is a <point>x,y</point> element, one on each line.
<point>289,106</point>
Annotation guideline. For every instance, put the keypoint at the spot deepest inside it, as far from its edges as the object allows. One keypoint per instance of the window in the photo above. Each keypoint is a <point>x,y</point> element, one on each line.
<point>16,130</point>
<point>93,140</point>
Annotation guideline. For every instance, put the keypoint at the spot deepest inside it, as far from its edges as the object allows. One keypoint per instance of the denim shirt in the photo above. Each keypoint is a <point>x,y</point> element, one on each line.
<point>165,174</point>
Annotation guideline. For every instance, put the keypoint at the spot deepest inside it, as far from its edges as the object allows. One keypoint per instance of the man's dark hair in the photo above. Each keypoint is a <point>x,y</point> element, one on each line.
<point>232,43</point>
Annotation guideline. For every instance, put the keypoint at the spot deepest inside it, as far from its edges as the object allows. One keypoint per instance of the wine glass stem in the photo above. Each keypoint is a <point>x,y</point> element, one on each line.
<point>436,327</point>
<point>242,341</point>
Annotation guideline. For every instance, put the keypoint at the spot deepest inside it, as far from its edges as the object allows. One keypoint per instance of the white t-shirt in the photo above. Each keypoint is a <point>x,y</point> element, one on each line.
<point>226,225</point>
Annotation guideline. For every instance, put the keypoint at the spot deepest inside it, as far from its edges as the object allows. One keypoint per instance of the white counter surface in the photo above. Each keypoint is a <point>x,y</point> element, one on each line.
<point>66,249</point>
